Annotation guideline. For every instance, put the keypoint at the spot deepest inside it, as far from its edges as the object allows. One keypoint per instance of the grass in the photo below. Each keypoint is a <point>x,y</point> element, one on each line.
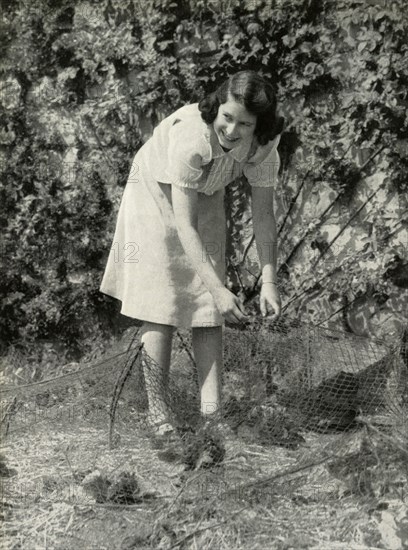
<point>334,491</point>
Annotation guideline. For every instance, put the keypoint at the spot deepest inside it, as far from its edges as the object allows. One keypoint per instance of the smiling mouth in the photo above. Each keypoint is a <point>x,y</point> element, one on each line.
<point>227,138</point>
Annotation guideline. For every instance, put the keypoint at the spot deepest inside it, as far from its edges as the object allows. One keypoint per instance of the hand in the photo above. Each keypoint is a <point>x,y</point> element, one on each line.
<point>269,300</point>
<point>230,306</point>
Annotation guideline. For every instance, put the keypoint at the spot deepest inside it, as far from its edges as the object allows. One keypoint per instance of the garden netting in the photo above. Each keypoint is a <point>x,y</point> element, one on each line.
<point>296,397</point>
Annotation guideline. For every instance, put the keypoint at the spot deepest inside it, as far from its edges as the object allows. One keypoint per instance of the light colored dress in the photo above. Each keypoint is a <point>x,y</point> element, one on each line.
<point>147,268</point>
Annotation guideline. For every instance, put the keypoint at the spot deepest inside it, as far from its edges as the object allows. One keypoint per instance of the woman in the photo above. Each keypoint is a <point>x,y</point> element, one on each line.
<point>167,262</point>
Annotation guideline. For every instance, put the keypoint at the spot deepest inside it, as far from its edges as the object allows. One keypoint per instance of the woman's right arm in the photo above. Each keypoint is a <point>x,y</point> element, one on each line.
<point>185,209</point>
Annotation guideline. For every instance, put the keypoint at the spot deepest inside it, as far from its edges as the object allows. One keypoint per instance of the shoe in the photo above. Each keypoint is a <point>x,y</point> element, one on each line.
<point>163,433</point>
<point>163,428</point>
<point>217,426</point>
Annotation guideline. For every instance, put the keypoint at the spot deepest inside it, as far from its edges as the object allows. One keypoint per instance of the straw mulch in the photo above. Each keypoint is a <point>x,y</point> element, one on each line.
<point>258,498</point>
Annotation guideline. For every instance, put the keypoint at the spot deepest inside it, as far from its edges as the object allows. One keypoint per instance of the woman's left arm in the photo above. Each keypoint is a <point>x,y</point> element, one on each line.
<point>265,232</point>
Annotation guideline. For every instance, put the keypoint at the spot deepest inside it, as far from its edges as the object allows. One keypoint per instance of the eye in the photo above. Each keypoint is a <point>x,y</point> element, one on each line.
<point>227,116</point>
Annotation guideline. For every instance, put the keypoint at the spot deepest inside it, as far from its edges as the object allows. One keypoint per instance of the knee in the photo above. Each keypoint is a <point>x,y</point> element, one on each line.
<point>165,330</point>
<point>208,335</point>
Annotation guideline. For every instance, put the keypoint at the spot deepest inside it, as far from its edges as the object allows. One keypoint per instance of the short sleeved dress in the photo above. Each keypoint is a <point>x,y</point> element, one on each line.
<point>147,268</point>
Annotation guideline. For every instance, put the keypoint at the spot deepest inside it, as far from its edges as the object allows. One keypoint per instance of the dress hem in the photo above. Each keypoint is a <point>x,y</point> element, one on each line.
<point>153,319</point>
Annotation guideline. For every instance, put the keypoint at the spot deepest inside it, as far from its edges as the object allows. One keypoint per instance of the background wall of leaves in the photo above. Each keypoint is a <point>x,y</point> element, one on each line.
<point>84,83</point>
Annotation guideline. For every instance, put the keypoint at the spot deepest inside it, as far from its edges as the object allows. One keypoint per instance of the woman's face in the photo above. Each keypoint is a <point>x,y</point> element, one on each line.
<point>233,123</point>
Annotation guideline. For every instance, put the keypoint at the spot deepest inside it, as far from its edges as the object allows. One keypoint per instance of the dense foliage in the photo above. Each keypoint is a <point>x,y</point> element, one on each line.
<point>83,85</point>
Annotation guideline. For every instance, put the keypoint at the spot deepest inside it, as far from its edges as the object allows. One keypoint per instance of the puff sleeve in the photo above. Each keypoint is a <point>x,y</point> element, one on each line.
<point>185,153</point>
<point>261,170</point>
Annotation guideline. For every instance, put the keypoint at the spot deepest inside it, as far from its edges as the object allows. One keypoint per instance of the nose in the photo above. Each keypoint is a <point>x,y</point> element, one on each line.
<point>231,130</point>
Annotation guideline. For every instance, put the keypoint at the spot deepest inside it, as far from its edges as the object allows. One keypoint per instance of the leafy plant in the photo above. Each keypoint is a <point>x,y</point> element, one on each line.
<point>95,77</point>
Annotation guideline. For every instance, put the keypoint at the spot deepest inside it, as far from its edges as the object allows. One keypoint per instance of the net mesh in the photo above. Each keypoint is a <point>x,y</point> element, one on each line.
<point>294,395</point>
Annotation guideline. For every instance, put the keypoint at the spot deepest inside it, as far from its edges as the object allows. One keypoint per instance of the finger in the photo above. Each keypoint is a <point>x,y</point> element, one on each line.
<point>241,307</point>
<point>276,314</point>
<point>240,316</point>
<point>262,307</point>
<point>234,320</point>
<point>274,306</point>
<point>234,316</point>
<point>243,316</point>
<point>266,307</point>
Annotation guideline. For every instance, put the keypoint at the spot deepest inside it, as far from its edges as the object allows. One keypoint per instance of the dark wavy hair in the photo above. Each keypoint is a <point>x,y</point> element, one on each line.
<point>258,97</point>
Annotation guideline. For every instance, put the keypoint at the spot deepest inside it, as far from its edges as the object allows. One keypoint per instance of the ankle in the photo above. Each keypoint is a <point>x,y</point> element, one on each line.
<point>210,408</point>
<point>157,417</point>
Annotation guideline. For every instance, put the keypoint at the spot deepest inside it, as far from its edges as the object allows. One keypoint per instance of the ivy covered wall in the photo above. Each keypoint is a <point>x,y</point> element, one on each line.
<point>84,83</point>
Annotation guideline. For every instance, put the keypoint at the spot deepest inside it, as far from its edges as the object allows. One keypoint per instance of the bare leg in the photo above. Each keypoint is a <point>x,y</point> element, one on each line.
<point>156,355</point>
<point>207,348</point>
